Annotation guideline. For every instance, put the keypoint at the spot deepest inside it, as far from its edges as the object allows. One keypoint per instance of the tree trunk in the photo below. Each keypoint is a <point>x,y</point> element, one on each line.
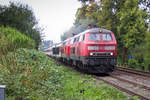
<point>124,55</point>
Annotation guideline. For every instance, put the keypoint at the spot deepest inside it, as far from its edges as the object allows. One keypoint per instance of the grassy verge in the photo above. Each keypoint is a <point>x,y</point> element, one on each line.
<point>77,86</point>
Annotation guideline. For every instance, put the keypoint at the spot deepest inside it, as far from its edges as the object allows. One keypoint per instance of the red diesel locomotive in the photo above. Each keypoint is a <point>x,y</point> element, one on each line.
<point>94,50</point>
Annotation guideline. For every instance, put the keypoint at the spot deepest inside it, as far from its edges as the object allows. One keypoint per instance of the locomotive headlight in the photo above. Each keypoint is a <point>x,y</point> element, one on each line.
<point>111,54</point>
<point>93,47</point>
<point>109,48</point>
<point>91,54</point>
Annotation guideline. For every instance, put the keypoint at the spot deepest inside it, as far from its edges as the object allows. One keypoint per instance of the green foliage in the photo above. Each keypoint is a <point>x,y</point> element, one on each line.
<point>137,61</point>
<point>20,17</point>
<point>132,27</point>
<point>133,63</point>
<point>29,75</point>
<point>147,51</point>
<point>11,39</point>
<point>141,60</point>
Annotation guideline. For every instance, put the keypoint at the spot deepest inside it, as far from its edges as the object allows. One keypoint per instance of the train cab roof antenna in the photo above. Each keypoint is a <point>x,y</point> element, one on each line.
<point>90,26</point>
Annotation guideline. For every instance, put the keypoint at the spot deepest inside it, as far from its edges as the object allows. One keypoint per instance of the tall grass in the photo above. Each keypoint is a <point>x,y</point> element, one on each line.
<point>11,39</point>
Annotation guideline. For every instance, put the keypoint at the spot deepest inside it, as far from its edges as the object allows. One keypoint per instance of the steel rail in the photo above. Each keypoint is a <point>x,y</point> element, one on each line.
<point>129,70</point>
<point>131,82</point>
<point>122,88</point>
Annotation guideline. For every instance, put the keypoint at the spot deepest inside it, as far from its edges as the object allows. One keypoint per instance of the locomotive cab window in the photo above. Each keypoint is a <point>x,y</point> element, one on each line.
<point>94,37</point>
<point>106,37</point>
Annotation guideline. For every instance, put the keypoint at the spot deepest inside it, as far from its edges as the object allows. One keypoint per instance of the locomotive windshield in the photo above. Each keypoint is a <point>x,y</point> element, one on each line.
<point>106,37</point>
<point>94,37</point>
<point>98,37</point>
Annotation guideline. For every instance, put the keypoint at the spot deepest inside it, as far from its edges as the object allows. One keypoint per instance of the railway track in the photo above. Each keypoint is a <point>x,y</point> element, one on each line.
<point>129,70</point>
<point>135,83</point>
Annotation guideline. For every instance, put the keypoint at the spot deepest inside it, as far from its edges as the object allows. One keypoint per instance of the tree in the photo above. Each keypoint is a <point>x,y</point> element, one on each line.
<point>132,26</point>
<point>147,51</point>
<point>21,17</point>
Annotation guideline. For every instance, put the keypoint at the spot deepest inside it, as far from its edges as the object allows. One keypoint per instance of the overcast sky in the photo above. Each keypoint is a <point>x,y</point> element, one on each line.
<point>55,16</point>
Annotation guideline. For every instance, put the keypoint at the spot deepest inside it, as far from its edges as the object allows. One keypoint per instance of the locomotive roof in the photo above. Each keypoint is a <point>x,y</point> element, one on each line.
<point>97,30</point>
<point>92,30</point>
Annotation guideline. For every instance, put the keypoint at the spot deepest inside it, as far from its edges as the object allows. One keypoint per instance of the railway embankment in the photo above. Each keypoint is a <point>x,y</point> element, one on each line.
<point>31,75</point>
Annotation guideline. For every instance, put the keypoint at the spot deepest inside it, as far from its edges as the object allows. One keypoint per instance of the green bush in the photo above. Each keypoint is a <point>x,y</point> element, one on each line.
<point>11,39</point>
<point>29,75</point>
<point>141,55</point>
<point>147,52</point>
<point>136,64</point>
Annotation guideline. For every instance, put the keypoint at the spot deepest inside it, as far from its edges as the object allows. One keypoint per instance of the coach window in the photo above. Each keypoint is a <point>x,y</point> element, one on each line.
<point>64,43</point>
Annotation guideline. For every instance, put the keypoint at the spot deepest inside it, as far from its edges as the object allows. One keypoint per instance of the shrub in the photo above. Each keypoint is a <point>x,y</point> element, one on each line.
<point>11,39</point>
<point>29,75</point>
<point>147,52</point>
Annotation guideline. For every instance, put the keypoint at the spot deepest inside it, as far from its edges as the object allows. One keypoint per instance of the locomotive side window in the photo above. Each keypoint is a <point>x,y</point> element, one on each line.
<point>77,39</point>
<point>94,37</point>
<point>72,41</point>
<point>81,38</point>
<point>107,37</point>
